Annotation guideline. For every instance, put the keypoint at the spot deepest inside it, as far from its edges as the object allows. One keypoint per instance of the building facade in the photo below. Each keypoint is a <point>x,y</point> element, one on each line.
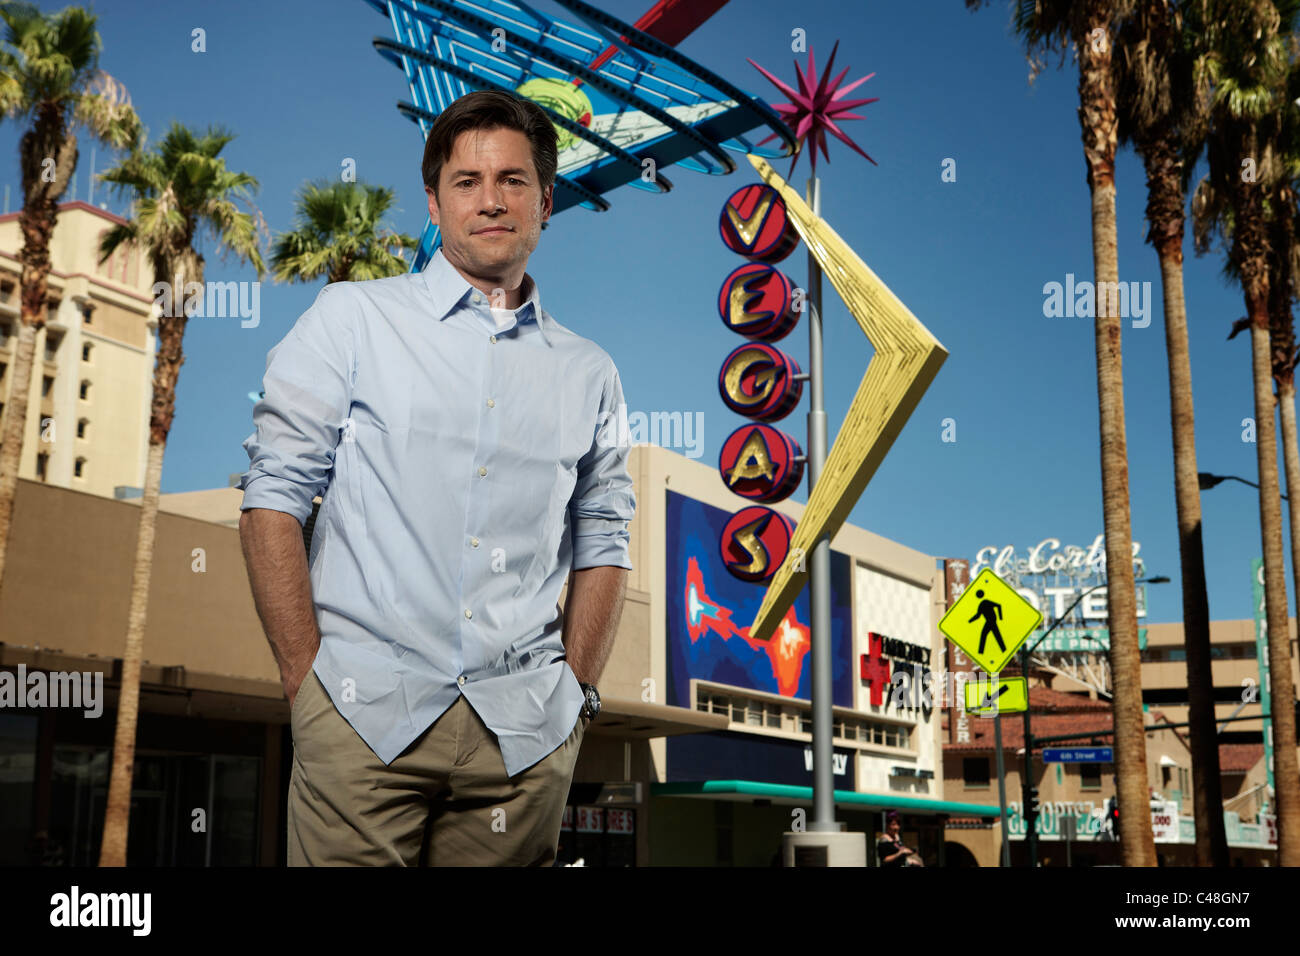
<point>701,754</point>
<point>92,379</point>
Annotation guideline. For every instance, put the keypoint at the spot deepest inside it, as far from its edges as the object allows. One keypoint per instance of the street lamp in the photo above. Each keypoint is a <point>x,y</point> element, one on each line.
<point>1030,814</point>
<point>1207,480</point>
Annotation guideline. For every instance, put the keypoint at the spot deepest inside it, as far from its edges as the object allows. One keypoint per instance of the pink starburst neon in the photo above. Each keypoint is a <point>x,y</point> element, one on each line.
<point>811,112</point>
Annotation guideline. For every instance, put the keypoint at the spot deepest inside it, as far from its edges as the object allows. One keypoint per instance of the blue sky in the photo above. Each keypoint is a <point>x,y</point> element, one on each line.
<point>303,89</point>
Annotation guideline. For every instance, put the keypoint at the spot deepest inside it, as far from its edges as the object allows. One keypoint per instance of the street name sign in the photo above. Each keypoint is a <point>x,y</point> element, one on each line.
<point>1078,755</point>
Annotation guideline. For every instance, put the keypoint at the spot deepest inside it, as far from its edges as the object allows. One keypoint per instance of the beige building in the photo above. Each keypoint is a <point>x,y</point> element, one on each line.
<point>92,378</point>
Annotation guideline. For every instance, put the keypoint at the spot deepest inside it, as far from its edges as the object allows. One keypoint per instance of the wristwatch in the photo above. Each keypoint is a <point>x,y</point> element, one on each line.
<point>590,707</point>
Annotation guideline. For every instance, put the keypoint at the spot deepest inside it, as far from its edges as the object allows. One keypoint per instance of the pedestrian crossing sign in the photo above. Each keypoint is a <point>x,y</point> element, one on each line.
<point>990,621</point>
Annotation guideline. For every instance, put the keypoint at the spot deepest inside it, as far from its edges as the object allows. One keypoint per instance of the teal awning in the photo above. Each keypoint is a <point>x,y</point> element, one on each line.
<point>783,791</point>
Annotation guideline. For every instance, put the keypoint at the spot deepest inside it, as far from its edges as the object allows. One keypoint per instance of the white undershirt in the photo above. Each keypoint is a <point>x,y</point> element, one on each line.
<point>505,317</point>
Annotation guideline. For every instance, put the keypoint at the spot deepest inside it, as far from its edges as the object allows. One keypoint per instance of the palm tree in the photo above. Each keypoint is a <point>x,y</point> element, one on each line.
<point>49,77</point>
<point>1166,117</point>
<point>338,234</point>
<point>1089,26</point>
<point>181,190</point>
<point>1247,66</point>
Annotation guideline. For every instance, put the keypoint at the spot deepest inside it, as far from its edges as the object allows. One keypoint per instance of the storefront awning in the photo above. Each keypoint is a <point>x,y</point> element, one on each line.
<point>637,719</point>
<point>786,793</point>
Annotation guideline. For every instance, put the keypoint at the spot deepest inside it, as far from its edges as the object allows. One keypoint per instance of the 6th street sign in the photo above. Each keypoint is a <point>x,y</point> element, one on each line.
<point>990,621</point>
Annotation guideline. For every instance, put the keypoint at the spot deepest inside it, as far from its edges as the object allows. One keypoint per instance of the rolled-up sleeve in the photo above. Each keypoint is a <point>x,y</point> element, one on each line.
<point>307,398</point>
<point>603,501</point>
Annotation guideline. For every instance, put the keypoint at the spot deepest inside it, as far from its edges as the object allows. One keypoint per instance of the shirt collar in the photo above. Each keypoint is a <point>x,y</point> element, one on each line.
<point>448,288</point>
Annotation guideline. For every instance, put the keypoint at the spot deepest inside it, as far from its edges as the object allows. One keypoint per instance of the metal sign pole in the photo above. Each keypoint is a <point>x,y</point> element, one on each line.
<point>1002,789</point>
<point>820,568</point>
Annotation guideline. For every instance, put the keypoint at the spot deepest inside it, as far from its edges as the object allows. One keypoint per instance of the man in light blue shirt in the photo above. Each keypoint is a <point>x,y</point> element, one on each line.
<point>466,446</point>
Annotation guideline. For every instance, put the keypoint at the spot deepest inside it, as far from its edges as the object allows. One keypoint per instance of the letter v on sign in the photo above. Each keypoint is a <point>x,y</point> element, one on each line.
<point>907,358</point>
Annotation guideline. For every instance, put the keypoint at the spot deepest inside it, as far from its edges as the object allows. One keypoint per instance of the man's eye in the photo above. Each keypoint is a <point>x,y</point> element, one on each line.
<point>465,182</point>
<point>512,180</point>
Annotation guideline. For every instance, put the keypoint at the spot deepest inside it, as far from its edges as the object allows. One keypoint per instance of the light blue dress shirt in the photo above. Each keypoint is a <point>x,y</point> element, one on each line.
<point>466,467</point>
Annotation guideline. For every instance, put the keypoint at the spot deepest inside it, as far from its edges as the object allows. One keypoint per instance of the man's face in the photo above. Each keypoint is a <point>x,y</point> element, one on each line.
<point>490,206</point>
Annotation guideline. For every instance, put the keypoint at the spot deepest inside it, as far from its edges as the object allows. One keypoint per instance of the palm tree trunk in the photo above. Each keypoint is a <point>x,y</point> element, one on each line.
<point>1286,771</point>
<point>15,423</point>
<point>1097,119</point>
<point>117,813</point>
<point>171,333</point>
<point>1207,788</point>
<point>47,138</point>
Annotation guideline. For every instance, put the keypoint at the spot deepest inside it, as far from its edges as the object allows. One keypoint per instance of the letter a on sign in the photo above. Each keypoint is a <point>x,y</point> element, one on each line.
<point>990,621</point>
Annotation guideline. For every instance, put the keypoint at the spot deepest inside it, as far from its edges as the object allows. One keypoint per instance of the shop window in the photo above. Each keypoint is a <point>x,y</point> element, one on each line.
<point>17,779</point>
<point>975,772</point>
<point>1090,776</point>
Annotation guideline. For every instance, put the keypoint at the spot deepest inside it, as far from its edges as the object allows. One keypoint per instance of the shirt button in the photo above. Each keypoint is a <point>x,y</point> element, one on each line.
<point>473,542</point>
<point>492,339</point>
<point>468,613</point>
<point>460,679</point>
<point>492,403</point>
<point>478,300</point>
<point>482,471</point>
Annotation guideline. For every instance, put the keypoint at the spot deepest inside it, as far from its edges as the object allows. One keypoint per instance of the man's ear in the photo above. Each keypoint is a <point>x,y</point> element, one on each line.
<point>433,205</point>
<point>548,202</point>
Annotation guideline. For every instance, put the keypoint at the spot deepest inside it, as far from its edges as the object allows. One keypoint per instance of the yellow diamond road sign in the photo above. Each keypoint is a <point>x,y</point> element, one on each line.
<point>1002,695</point>
<point>990,621</point>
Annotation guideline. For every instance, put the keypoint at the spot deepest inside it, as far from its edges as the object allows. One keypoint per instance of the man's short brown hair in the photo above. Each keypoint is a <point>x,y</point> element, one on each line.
<point>487,110</point>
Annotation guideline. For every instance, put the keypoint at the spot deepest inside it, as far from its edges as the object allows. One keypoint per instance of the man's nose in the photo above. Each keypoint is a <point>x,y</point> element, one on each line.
<point>493,197</point>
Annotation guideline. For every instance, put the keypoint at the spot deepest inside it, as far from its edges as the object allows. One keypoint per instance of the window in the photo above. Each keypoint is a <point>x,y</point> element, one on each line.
<point>1090,776</point>
<point>85,389</point>
<point>47,382</point>
<point>85,352</point>
<point>82,425</point>
<point>772,715</point>
<point>79,469</point>
<point>41,460</point>
<point>975,772</point>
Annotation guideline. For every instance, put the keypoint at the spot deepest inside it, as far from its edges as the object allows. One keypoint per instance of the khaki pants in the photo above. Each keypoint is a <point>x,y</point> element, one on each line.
<point>445,801</point>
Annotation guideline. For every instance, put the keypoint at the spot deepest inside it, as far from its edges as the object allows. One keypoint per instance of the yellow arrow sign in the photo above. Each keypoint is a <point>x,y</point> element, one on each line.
<point>907,358</point>
<point>990,621</point>
<point>1006,695</point>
